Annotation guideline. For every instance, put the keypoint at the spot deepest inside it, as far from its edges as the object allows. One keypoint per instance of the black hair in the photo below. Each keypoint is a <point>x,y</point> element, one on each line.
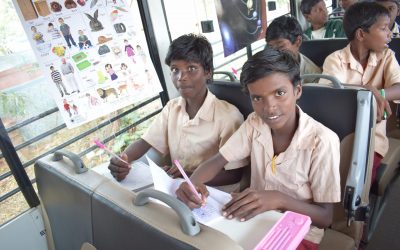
<point>362,15</point>
<point>191,48</point>
<point>267,62</point>
<point>307,5</point>
<point>393,1</point>
<point>284,27</point>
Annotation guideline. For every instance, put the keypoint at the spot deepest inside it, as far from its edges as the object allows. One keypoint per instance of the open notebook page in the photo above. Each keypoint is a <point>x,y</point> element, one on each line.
<point>207,214</point>
<point>139,176</point>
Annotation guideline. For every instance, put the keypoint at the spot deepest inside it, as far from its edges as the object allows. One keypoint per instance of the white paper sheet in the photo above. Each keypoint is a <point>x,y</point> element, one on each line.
<point>207,214</point>
<point>139,176</point>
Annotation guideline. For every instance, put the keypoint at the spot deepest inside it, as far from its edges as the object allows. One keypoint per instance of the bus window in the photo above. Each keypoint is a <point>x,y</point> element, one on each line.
<point>33,122</point>
<point>186,16</point>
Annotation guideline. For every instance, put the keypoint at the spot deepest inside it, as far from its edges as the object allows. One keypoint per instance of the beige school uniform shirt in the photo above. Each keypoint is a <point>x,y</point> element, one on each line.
<point>308,170</point>
<point>382,71</point>
<point>308,67</point>
<point>192,141</point>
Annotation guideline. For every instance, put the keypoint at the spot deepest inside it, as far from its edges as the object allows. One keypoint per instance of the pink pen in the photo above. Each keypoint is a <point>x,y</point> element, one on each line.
<point>102,146</point>
<point>187,178</point>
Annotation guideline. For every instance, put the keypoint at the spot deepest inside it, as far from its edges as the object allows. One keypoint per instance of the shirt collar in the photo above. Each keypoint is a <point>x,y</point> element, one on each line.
<point>206,111</point>
<point>303,137</point>
<point>347,57</point>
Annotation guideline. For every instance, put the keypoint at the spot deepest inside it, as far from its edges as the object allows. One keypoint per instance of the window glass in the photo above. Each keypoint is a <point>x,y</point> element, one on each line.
<point>186,16</point>
<point>24,94</point>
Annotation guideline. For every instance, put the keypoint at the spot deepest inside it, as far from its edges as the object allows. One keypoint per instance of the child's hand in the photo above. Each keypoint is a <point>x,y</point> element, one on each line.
<point>174,172</point>
<point>186,195</point>
<point>382,104</point>
<point>119,169</point>
<point>249,203</point>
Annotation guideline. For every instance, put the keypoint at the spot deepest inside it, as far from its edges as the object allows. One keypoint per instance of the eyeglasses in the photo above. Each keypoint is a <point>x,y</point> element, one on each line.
<point>177,73</point>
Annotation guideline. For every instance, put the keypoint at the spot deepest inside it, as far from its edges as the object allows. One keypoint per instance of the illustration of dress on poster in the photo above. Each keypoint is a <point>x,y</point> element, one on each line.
<point>93,53</point>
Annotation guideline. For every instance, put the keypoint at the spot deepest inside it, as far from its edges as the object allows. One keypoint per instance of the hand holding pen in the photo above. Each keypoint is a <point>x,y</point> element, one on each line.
<point>189,195</point>
<point>119,165</point>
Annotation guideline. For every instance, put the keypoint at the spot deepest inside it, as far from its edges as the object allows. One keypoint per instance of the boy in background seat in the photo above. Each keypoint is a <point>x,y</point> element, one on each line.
<point>285,33</point>
<point>393,6</point>
<point>367,61</point>
<point>316,14</point>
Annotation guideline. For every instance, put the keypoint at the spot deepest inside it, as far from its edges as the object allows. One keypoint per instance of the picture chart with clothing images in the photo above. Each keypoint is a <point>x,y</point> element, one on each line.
<point>93,53</point>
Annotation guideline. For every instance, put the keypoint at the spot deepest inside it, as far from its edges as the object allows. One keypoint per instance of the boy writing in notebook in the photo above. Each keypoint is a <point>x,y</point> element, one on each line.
<point>294,159</point>
<point>367,61</point>
<point>192,127</point>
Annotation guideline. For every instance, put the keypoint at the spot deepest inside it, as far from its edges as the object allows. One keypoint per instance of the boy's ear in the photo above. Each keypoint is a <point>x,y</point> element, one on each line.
<point>359,34</point>
<point>298,90</point>
<point>298,41</point>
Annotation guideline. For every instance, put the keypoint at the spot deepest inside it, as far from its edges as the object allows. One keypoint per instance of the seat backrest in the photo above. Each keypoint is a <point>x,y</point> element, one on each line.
<point>318,50</point>
<point>89,208</point>
<point>344,112</point>
<point>66,198</point>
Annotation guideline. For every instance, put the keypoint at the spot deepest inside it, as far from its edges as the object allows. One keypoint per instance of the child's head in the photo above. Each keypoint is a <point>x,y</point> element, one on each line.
<point>393,6</point>
<point>368,23</point>
<point>123,66</point>
<point>126,41</point>
<point>191,48</point>
<point>272,78</point>
<point>314,11</point>
<point>80,32</point>
<point>51,68</point>
<point>50,26</point>
<point>190,58</point>
<point>108,67</point>
<point>33,28</point>
<point>60,20</point>
<point>284,33</point>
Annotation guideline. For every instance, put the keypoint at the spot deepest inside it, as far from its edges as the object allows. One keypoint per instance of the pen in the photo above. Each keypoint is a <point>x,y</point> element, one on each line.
<point>187,178</point>
<point>102,146</point>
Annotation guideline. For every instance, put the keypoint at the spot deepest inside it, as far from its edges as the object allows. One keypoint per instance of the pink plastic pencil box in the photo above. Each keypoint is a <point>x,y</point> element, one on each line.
<point>287,233</point>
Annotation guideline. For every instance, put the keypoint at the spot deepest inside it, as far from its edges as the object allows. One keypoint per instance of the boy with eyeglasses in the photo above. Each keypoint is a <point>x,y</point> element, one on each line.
<point>191,128</point>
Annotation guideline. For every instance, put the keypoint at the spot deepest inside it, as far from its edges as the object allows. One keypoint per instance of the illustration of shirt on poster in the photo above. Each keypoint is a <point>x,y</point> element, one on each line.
<point>90,48</point>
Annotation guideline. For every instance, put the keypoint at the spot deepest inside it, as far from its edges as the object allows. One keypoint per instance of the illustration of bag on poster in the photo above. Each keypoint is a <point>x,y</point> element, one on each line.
<point>93,52</point>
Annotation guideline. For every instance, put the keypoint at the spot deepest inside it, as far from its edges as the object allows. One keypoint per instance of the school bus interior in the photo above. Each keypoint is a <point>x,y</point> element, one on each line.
<point>81,209</point>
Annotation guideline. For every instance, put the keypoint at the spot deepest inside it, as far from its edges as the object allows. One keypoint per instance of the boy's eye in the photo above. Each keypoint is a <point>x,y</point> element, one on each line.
<point>280,93</point>
<point>256,98</point>
<point>192,69</point>
<point>174,70</point>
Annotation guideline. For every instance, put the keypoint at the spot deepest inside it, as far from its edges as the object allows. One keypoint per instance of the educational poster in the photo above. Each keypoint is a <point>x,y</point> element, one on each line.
<point>92,53</point>
<point>240,22</point>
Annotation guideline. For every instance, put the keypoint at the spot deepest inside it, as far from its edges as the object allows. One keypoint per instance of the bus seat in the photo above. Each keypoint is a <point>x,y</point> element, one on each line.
<point>118,224</point>
<point>318,50</point>
<point>66,199</point>
<point>347,120</point>
<point>339,236</point>
<point>89,211</point>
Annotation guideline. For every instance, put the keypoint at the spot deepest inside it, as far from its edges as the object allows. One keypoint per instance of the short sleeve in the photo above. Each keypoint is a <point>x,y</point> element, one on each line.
<point>332,66</point>
<point>324,174</point>
<point>238,146</point>
<point>229,128</point>
<point>157,134</point>
<point>391,72</point>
